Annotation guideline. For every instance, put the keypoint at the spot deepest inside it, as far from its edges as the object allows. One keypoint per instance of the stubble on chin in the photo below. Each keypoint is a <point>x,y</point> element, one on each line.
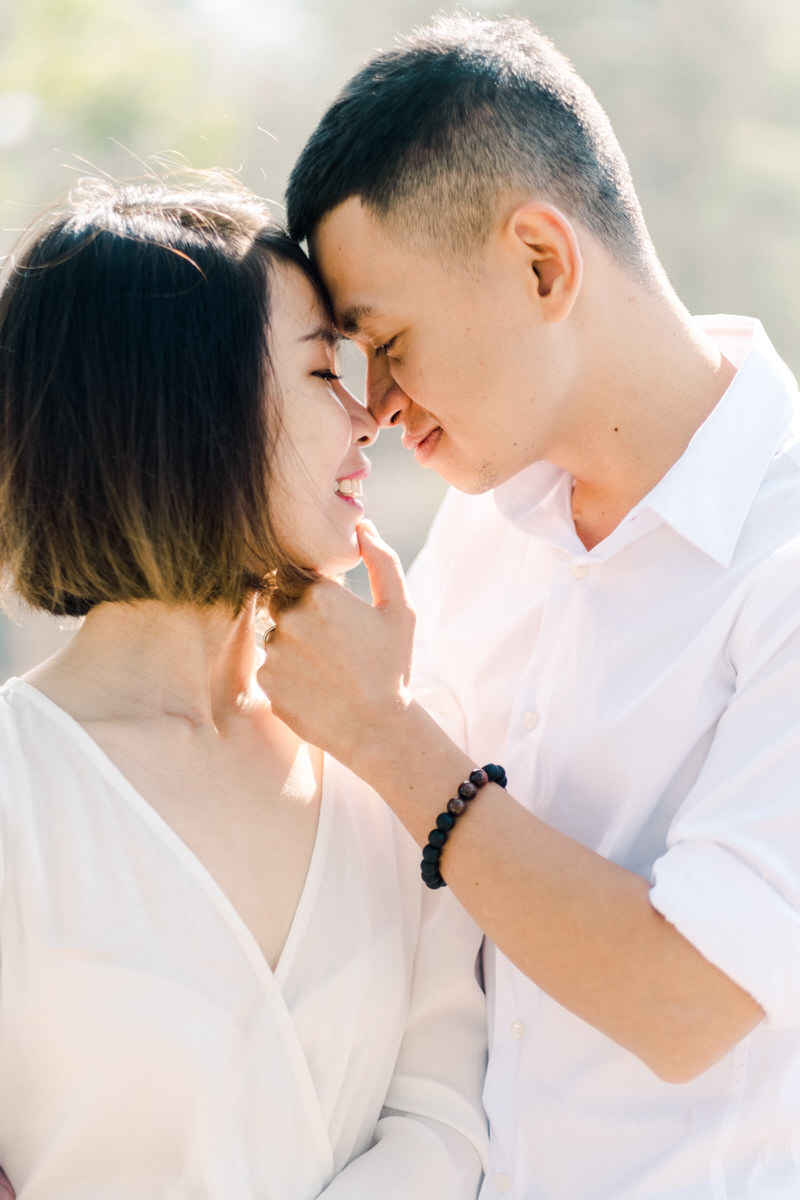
<point>487,478</point>
<point>472,482</point>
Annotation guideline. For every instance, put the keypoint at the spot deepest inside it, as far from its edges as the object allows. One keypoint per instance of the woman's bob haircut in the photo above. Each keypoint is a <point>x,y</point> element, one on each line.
<point>138,410</point>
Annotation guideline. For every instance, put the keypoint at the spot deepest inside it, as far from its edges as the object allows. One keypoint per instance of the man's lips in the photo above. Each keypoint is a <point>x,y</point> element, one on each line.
<point>412,439</point>
<point>422,443</point>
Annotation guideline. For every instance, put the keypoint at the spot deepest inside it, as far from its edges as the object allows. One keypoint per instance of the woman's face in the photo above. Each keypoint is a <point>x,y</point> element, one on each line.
<point>319,465</point>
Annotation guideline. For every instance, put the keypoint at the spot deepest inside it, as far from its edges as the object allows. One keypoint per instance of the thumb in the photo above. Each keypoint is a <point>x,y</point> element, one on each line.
<point>386,580</point>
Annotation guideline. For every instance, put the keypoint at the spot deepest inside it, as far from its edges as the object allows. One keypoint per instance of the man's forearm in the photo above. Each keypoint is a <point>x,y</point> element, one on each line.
<point>579,926</point>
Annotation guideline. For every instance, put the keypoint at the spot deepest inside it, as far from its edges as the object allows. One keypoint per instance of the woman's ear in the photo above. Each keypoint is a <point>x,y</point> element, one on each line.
<point>548,245</point>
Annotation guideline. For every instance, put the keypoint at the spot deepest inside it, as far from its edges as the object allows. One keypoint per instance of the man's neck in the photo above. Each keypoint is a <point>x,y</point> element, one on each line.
<point>659,383</point>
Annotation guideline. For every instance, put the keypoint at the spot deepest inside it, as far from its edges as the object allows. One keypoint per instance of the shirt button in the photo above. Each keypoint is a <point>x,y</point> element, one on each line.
<point>502,1183</point>
<point>518,1030</point>
<point>530,720</point>
<point>579,570</point>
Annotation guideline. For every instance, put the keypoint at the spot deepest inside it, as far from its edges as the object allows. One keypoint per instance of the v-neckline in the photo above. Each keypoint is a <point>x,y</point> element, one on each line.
<point>271,978</point>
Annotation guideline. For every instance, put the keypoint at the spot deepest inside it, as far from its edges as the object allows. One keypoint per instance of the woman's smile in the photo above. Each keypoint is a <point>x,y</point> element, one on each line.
<point>323,429</point>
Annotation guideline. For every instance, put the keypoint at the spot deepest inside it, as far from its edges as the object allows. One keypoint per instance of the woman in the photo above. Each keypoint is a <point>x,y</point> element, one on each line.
<point>218,976</point>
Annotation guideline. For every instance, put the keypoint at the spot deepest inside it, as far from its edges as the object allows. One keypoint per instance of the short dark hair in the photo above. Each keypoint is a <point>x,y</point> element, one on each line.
<point>137,407</point>
<point>430,135</point>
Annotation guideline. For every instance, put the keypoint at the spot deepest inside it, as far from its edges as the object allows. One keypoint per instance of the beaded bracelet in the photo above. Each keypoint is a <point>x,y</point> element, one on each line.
<point>432,851</point>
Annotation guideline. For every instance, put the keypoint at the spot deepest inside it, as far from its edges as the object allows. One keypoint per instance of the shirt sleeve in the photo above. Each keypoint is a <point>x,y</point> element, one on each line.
<point>431,1142</point>
<point>730,879</point>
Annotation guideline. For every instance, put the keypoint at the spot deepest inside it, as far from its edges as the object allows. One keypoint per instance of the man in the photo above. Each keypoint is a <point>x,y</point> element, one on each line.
<point>617,621</point>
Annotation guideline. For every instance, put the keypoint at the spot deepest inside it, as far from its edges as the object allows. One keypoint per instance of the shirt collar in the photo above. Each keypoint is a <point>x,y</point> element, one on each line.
<point>706,496</point>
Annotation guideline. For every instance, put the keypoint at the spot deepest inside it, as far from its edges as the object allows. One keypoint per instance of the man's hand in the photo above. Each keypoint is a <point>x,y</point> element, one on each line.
<point>569,919</point>
<point>337,668</point>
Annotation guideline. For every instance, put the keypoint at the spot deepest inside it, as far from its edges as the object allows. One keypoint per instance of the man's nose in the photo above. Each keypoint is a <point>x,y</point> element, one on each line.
<point>386,400</point>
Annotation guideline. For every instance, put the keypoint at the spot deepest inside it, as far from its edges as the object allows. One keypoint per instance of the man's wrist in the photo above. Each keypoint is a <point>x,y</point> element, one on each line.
<point>410,761</point>
<point>387,738</point>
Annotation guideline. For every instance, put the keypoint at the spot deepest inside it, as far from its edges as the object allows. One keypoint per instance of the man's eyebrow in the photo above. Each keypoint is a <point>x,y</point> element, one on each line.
<point>323,333</point>
<point>353,317</point>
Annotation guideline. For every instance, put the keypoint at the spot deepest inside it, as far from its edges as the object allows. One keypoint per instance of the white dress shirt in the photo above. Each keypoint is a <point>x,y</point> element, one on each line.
<point>147,1051</point>
<point>644,697</point>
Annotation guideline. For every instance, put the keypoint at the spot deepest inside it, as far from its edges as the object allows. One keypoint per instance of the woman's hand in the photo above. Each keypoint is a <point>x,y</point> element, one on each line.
<point>336,666</point>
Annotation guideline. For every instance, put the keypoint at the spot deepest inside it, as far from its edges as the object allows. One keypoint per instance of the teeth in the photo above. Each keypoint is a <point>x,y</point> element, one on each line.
<point>348,487</point>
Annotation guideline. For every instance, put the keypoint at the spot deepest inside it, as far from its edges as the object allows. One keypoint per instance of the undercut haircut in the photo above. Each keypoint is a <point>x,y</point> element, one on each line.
<point>434,134</point>
<point>138,411</point>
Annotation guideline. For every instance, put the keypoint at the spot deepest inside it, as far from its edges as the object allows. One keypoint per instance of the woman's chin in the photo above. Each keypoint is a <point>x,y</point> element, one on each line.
<point>341,561</point>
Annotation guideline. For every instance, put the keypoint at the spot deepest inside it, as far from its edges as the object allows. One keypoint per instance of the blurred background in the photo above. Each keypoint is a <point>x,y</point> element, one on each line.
<point>704,96</point>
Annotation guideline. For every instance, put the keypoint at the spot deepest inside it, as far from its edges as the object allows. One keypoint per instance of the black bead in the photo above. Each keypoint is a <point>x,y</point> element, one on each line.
<point>496,774</point>
<point>431,854</point>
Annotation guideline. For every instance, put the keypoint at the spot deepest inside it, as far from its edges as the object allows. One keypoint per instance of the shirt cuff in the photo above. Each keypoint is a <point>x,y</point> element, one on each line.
<point>736,920</point>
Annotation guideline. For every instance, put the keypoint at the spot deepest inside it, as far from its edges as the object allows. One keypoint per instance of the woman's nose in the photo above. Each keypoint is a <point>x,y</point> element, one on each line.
<point>364,425</point>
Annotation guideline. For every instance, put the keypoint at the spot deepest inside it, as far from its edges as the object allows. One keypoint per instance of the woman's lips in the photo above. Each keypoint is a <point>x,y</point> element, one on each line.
<point>349,488</point>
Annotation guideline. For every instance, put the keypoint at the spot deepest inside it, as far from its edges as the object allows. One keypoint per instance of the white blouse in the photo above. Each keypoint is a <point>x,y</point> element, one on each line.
<point>148,1052</point>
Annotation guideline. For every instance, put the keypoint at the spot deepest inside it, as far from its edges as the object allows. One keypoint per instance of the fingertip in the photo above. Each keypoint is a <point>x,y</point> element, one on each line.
<point>367,528</point>
<point>368,537</point>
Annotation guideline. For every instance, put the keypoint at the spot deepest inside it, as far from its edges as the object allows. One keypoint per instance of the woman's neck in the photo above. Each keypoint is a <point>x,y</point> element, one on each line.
<point>149,659</point>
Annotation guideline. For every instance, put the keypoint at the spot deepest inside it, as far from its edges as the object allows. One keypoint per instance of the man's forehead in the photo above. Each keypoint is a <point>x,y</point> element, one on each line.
<point>372,280</point>
<point>346,236</point>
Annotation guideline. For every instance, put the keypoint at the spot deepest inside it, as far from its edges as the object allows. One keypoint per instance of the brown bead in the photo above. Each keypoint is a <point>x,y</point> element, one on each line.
<point>456,806</point>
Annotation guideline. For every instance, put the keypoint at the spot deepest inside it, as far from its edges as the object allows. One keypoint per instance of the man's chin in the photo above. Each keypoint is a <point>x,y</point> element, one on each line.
<point>472,483</point>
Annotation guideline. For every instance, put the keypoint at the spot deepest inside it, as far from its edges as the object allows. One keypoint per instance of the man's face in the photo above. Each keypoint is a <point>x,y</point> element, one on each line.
<point>456,356</point>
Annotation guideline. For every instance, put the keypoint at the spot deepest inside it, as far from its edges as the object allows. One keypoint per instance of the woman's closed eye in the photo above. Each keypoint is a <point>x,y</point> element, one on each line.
<point>327,374</point>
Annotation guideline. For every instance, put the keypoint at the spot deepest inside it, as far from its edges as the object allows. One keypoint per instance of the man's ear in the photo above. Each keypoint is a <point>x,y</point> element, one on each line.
<point>548,244</point>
